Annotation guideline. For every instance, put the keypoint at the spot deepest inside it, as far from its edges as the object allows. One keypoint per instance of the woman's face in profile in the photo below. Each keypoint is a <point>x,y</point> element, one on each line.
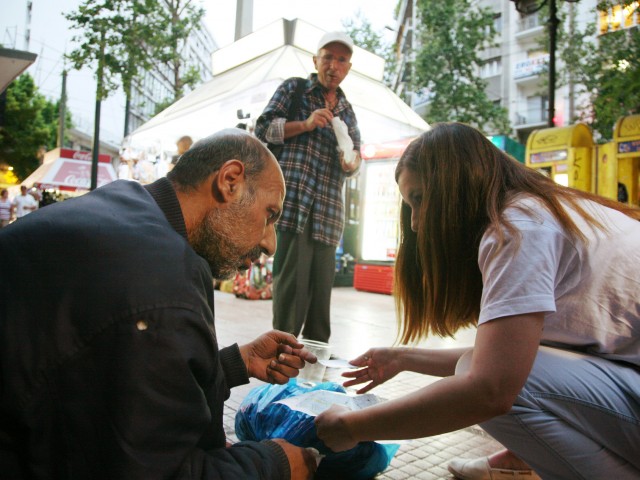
<point>412,191</point>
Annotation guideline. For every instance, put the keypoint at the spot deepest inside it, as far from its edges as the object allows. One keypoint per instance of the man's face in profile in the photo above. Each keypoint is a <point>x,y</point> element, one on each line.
<point>232,238</point>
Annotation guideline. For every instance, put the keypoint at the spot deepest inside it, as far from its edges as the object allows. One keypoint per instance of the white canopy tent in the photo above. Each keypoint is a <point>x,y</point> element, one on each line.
<point>247,72</point>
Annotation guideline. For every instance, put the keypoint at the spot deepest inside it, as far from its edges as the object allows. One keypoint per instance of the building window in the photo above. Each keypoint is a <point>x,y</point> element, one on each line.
<point>491,67</point>
<point>497,23</point>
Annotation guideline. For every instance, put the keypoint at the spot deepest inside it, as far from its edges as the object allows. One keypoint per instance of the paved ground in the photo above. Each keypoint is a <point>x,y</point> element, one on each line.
<point>359,320</point>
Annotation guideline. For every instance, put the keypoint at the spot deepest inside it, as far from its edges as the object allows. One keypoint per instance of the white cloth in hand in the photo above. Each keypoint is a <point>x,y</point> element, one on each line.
<point>344,140</point>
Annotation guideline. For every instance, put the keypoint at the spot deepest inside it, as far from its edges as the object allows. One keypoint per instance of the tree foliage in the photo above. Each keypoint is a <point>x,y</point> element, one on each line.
<point>174,24</point>
<point>101,27</point>
<point>447,64</point>
<point>608,69</point>
<point>364,36</point>
<point>30,124</point>
<point>123,38</point>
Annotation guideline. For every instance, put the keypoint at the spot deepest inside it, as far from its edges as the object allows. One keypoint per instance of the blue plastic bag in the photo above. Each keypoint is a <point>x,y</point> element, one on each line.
<point>259,418</point>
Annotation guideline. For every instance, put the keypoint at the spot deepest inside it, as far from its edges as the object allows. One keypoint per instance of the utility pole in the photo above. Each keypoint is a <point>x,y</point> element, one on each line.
<point>27,31</point>
<point>553,30</point>
<point>63,106</point>
<point>96,127</point>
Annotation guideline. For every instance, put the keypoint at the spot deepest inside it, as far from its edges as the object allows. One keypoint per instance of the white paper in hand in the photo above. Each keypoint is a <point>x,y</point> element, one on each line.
<point>344,140</point>
<point>317,401</point>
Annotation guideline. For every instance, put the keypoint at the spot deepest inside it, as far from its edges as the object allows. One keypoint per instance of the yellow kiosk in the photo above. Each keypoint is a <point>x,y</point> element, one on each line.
<point>563,153</point>
<point>626,138</point>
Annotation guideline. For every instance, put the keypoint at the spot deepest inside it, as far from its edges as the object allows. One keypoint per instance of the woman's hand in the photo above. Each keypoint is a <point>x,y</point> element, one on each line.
<point>332,429</point>
<point>275,357</point>
<point>380,365</point>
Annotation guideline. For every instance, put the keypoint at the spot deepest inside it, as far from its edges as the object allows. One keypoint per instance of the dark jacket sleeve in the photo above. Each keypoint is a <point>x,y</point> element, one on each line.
<point>235,371</point>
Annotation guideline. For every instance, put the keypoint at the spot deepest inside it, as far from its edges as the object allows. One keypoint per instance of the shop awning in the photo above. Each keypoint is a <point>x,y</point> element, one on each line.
<point>70,170</point>
<point>12,64</point>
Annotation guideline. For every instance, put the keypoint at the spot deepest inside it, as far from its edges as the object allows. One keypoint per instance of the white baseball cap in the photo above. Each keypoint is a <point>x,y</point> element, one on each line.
<point>338,37</point>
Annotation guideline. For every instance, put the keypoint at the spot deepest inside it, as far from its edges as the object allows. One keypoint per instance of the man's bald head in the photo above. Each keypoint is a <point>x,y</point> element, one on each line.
<point>207,156</point>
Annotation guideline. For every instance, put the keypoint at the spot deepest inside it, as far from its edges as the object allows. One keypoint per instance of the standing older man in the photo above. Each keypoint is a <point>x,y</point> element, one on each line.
<point>109,363</point>
<point>314,170</point>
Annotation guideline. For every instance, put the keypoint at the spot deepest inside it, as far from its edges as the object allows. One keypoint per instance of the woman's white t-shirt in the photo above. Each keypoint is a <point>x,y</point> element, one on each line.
<point>590,292</point>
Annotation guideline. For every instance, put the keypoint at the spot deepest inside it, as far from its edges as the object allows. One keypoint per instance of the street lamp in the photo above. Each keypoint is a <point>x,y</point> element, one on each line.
<point>528,7</point>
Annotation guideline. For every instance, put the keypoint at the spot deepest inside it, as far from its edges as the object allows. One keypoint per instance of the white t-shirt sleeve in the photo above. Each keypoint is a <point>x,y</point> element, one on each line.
<point>520,279</point>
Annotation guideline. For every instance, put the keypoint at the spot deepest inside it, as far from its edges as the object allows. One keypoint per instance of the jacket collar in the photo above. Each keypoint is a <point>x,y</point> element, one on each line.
<point>165,196</point>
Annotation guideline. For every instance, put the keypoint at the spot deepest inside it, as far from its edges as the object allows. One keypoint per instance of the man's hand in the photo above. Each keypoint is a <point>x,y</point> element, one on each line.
<point>301,461</point>
<point>351,166</point>
<point>380,364</point>
<point>332,429</point>
<point>318,119</point>
<point>275,357</point>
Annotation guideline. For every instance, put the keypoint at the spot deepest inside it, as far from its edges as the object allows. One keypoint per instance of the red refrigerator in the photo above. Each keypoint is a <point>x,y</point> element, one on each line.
<point>380,216</point>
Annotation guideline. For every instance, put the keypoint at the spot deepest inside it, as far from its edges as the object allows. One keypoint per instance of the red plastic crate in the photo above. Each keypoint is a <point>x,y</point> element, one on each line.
<point>373,278</point>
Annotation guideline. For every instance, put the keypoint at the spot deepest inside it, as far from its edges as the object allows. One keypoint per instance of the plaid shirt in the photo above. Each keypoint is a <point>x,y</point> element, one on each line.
<point>310,161</point>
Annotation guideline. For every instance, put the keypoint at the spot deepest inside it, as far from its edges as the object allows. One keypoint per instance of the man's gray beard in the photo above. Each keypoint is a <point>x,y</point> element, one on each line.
<point>213,241</point>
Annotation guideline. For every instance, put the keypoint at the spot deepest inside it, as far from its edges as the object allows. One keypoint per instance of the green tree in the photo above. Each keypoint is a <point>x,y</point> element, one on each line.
<point>607,70</point>
<point>102,24</point>
<point>101,29</point>
<point>364,36</point>
<point>27,126</point>
<point>447,64</point>
<point>124,38</point>
<point>140,25</point>
<point>111,35</point>
<point>174,23</point>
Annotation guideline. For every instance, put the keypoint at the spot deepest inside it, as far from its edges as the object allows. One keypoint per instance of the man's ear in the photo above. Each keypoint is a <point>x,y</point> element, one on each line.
<point>229,183</point>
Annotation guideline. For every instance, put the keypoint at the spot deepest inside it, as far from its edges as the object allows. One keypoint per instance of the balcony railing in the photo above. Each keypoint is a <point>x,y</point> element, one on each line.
<point>529,22</point>
<point>532,116</point>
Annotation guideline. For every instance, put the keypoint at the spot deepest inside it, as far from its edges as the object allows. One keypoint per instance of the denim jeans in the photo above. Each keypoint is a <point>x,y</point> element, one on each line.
<point>577,417</point>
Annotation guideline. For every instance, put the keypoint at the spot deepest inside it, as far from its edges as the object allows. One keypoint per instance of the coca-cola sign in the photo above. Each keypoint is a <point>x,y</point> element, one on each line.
<point>84,156</point>
<point>76,174</point>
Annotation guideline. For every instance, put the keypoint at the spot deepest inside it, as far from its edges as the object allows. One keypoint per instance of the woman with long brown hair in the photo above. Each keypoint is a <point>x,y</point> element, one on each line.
<point>550,276</point>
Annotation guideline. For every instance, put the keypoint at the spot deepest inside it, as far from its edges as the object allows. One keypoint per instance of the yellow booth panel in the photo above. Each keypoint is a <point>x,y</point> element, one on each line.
<point>580,176</point>
<point>566,153</point>
<point>560,138</point>
<point>627,136</point>
<point>607,171</point>
<point>628,175</point>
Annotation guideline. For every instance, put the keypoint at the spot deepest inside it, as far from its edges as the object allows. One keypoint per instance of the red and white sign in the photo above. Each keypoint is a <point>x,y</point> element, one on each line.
<point>71,171</point>
<point>86,156</point>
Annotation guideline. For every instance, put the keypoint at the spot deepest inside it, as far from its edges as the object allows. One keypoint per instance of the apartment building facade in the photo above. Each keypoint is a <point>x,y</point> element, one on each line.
<point>514,69</point>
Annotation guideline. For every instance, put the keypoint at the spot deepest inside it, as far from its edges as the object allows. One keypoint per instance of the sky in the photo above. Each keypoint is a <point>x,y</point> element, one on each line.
<point>50,38</point>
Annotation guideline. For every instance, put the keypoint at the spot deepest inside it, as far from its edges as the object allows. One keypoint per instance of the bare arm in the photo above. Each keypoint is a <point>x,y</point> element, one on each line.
<point>499,368</point>
<point>382,364</point>
<point>318,119</point>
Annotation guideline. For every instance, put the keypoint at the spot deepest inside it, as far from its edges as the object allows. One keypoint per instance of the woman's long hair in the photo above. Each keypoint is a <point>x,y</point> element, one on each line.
<point>467,183</point>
